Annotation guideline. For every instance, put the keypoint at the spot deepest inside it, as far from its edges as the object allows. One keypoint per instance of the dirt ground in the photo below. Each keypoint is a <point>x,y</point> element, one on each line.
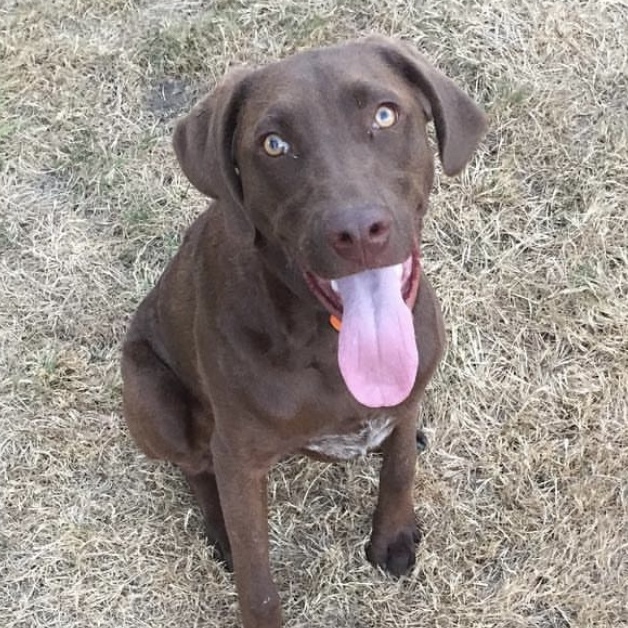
<point>523,492</point>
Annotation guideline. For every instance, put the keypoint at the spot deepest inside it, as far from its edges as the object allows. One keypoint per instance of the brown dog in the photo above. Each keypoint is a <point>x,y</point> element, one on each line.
<point>321,169</point>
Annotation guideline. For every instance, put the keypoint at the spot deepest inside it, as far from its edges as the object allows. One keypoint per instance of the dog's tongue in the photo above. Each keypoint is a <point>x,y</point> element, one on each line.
<point>377,351</point>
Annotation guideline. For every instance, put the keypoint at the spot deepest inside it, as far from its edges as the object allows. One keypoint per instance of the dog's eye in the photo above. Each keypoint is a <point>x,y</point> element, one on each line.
<point>275,146</point>
<point>385,117</point>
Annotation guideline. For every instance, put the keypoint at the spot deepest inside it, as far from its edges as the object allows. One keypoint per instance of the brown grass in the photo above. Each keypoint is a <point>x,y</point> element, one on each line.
<point>523,493</point>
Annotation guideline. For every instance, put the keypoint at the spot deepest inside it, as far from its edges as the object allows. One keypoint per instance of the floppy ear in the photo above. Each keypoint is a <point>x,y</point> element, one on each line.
<point>203,143</point>
<point>460,123</point>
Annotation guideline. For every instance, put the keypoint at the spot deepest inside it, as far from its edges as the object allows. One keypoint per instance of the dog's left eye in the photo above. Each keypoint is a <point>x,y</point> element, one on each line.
<point>385,117</point>
<point>275,145</point>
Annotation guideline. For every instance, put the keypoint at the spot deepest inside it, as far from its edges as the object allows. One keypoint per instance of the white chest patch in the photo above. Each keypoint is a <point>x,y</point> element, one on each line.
<point>370,435</point>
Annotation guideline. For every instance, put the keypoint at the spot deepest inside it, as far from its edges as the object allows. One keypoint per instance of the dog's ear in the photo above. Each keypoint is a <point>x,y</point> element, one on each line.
<point>203,142</point>
<point>460,123</point>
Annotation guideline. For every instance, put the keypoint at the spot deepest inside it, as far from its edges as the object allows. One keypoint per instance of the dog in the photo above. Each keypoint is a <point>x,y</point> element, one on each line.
<point>295,316</point>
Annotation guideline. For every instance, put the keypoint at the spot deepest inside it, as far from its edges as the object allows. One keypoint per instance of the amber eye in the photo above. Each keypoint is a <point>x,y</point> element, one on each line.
<point>385,117</point>
<point>275,146</point>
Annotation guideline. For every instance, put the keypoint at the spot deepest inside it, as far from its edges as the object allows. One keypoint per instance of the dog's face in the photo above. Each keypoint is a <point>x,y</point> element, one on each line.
<point>333,160</point>
<point>325,156</point>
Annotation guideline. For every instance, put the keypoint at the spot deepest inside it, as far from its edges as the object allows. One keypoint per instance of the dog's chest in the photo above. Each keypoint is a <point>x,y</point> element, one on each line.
<point>368,436</point>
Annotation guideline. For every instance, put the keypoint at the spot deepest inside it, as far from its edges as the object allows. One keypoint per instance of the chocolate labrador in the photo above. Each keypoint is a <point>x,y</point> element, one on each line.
<point>295,316</point>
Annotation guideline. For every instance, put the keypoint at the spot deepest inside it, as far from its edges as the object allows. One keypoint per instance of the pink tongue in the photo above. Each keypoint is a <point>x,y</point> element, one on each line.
<point>377,350</point>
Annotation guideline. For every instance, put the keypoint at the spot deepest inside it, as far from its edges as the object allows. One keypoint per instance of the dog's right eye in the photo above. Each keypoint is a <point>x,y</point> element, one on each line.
<point>275,146</point>
<point>385,116</point>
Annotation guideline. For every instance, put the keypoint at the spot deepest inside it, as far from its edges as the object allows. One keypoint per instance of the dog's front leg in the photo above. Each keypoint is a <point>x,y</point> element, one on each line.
<point>395,533</point>
<point>242,488</point>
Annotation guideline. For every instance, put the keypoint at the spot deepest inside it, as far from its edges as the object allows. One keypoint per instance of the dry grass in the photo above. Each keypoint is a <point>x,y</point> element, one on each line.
<point>523,492</point>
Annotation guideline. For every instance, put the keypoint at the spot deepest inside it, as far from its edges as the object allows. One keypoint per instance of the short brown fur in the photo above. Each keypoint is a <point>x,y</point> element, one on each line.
<point>230,362</point>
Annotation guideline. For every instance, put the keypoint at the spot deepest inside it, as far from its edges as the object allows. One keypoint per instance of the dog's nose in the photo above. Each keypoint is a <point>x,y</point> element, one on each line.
<point>359,234</point>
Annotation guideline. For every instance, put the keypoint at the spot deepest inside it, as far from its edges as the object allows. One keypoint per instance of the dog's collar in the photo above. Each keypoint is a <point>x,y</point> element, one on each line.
<point>335,322</point>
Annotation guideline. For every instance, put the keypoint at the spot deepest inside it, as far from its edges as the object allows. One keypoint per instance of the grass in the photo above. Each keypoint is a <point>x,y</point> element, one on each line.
<point>523,492</point>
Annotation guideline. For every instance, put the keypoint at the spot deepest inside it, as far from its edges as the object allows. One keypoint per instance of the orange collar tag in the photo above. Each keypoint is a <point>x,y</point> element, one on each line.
<point>335,322</point>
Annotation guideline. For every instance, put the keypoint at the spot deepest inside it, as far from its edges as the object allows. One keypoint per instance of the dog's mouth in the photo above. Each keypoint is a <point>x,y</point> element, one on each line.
<point>377,351</point>
<point>327,290</point>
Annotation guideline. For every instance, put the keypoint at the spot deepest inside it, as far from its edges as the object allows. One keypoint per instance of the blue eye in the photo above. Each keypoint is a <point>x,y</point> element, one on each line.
<point>385,117</point>
<point>275,146</point>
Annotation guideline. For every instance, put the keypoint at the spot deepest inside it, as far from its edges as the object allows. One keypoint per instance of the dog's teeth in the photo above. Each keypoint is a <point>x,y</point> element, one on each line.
<point>334,285</point>
<point>399,270</point>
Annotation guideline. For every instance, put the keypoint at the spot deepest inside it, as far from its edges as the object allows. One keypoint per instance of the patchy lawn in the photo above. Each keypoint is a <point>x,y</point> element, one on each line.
<point>523,492</point>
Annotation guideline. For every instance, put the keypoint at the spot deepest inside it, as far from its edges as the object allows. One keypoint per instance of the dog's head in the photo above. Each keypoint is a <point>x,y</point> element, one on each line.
<point>324,156</point>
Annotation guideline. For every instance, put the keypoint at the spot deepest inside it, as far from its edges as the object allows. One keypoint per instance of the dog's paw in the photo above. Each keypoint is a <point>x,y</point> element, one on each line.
<point>421,441</point>
<point>223,557</point>
<point>221,549</point>
<point>395,553</point>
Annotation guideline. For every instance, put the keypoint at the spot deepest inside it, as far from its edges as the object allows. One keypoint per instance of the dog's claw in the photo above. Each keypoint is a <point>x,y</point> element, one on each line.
<point>421,441</point>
